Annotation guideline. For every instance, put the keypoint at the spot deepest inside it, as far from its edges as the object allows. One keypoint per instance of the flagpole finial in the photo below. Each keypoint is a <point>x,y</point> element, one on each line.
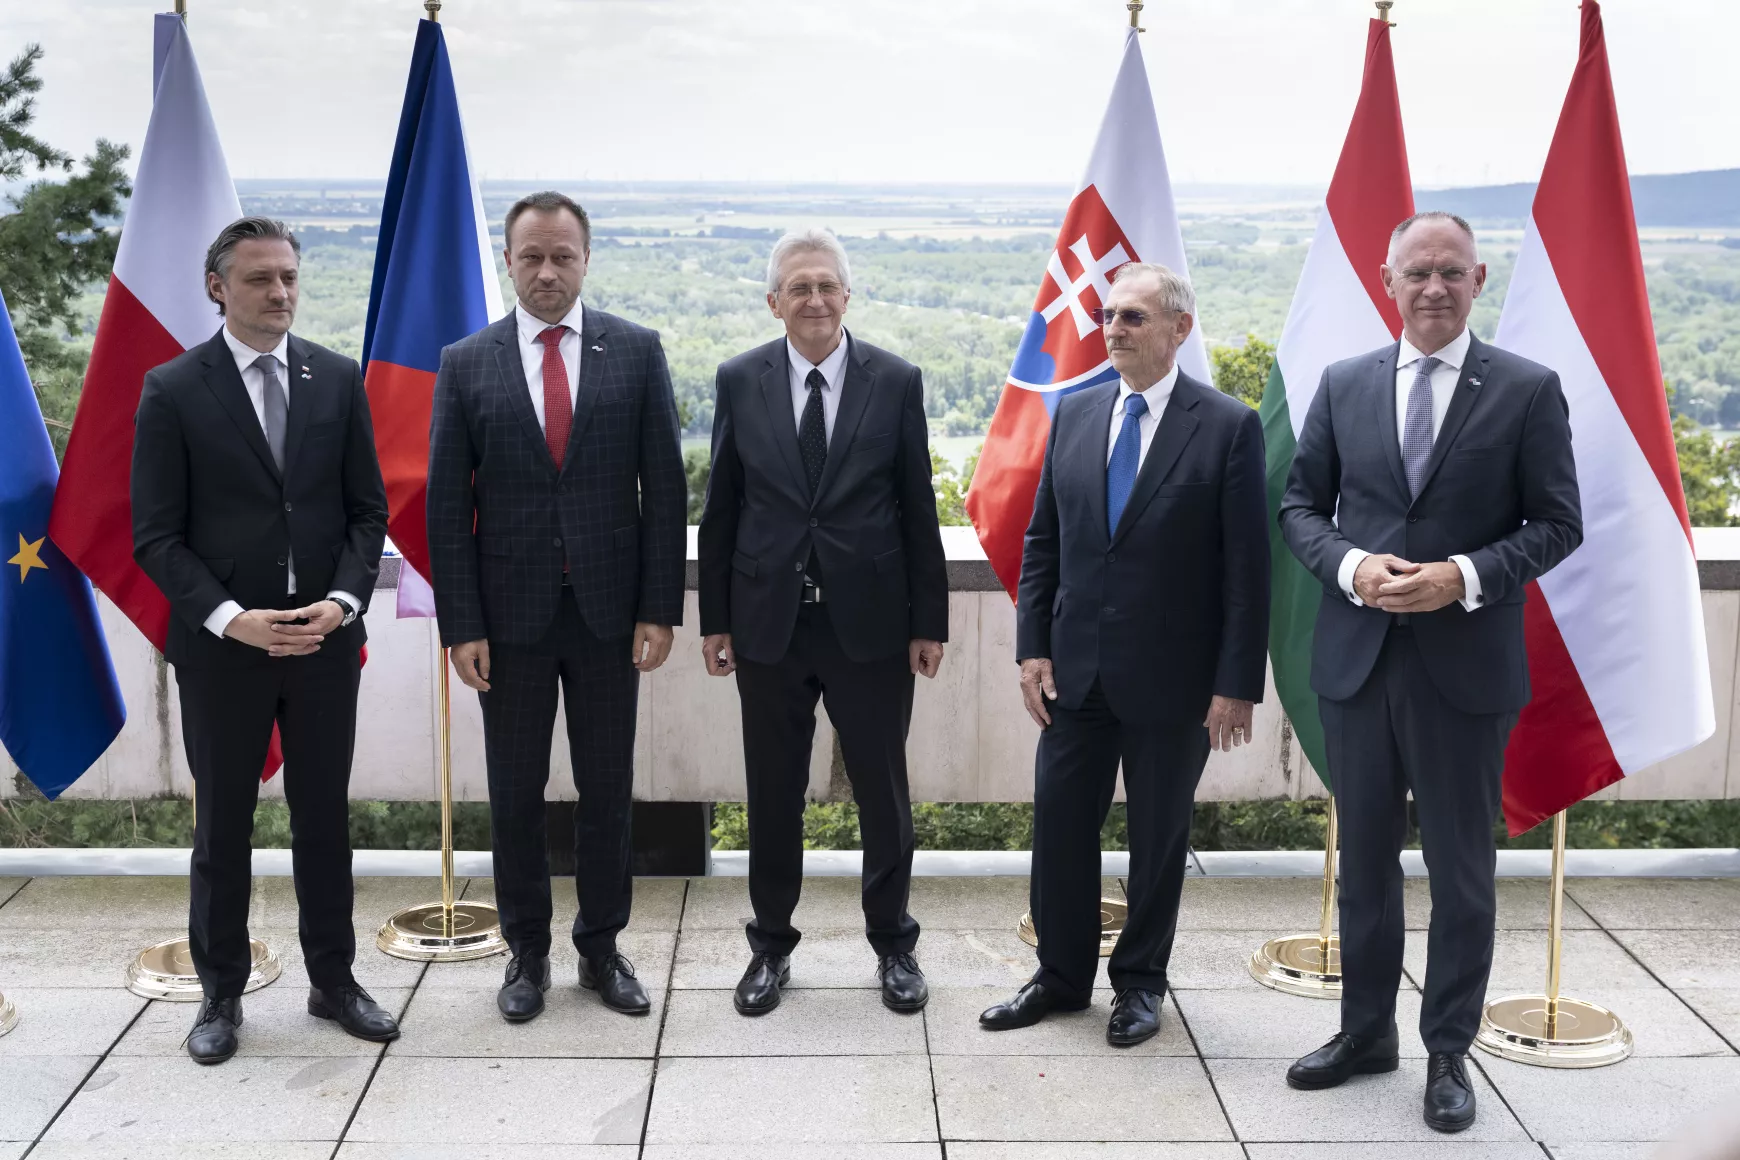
<point>433,8</point>
<point>181,8</point>
<point>1135,7</point>
<point>1383,7</point>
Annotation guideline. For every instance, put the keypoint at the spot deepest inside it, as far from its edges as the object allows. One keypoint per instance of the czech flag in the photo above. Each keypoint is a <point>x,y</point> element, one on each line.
<point>434,283</point>
<point>1122,212</point>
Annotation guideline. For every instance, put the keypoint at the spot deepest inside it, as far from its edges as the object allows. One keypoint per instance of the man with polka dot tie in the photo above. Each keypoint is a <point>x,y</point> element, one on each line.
<point>557,506</point>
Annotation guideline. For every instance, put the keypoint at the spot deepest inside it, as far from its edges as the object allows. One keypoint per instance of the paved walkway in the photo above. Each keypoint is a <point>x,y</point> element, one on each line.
<point>94,1072</point>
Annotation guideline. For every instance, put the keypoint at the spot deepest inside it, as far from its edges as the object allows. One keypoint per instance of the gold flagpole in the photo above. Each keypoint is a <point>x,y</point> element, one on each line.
<point>1550,1030</point>
<point>1307,964</point>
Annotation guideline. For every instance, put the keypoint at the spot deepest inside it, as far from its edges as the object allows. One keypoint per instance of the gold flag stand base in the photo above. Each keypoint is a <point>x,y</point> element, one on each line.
<point>1113,912</point>
<point>1307,964</point>
<point>447,931</point>
<point>1550,1030</point>
<point>8,1015</point>
<point>165,971</point>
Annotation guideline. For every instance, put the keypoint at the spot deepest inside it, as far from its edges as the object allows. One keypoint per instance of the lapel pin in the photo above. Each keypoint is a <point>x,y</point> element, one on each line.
<point>597,348</point>
<point>1472,381</point>
<point>305,373</point>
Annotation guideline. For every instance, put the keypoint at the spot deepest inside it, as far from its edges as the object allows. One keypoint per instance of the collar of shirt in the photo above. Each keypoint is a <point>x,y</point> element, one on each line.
<point>1451,354</point>
<point>1155,396</point>
<point>530,325</point>
<point>830,366</point>
<point>245,354</point>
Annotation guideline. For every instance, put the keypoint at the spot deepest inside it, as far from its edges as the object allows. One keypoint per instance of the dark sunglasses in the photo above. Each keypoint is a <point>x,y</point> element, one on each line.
<point>1131,318</point>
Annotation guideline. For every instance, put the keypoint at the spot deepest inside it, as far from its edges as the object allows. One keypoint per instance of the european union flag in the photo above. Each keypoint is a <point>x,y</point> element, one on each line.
<point>60,705</point>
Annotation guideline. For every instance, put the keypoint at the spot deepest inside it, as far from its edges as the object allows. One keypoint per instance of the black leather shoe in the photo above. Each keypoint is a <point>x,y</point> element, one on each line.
<point>1135,1018</point>
<point>613,978</point>
<point>213,1038</point>
<point>903,985</point>
<point>353,1009</point>
<point>758,989</point>
<point>522,990</point>
<point>1449,1095</point>
<point>1031,1003</point>
<point>1343,1056</point>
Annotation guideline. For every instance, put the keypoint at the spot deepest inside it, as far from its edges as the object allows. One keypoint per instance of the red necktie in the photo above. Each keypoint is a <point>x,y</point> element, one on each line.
<point>558,407</point>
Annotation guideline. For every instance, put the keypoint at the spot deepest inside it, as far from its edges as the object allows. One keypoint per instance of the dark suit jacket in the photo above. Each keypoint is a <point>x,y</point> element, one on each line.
<point>1500,488</point>
<point>872,523</point>
<point>502,520</point>
<point>1173,607</point>
<point>213,520</point>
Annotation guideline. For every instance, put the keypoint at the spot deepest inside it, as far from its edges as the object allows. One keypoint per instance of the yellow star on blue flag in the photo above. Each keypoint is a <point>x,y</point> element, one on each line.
<point>29,556</point>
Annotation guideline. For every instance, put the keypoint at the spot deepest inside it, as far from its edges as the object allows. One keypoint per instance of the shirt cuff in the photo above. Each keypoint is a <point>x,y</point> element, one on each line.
<point>341,594</point>
<point>1349,565</point>
<point>220,619</point>
<point>1472,597</point>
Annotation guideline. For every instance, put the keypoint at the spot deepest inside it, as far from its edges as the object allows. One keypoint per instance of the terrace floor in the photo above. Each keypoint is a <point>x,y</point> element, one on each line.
<point>92,1071</point>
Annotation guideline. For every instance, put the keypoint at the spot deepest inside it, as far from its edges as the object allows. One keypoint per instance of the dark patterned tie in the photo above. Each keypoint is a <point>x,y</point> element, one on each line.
<point>1417,429</point>
<point>813,432</point>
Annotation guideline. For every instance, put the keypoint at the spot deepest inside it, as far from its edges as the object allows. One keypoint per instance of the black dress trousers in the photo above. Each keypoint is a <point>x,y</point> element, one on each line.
<point>1396,734</point>
<point>870,706</point>
<point>1075,778</point>
<point>600,686</point>
<point>226,720</point>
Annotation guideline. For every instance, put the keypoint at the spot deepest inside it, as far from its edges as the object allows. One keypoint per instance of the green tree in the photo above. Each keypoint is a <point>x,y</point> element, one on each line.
<point>697,468</point>
<point>1241,371</point>
<point>54,243</point>
<point>1710,473</point>
<point>951,487</point>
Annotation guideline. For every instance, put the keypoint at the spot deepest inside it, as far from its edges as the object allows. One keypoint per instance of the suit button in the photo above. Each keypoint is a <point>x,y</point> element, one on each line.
<point>282,561</point>
<point>557,542</point>
<point>798,567</point>
<point>815,523</point>
<point>1108,611</point>
<point>1111,557</point>
<point>286,506</point>
<point>1413,519</point>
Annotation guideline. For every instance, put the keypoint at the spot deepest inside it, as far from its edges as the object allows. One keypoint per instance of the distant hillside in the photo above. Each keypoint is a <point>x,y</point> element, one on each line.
<point>1707,198</point>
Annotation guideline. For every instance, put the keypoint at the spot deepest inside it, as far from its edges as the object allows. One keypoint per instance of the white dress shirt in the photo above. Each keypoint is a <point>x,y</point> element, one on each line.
<point>833,369</point>
<point>532,354</point>
<point>254,379</point>
<point>1156,397</point>
<point>1444,378</point>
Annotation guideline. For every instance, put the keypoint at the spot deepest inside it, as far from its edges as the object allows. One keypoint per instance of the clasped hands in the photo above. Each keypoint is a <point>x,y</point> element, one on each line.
<point>1397,585</point>
<point>273,629</point>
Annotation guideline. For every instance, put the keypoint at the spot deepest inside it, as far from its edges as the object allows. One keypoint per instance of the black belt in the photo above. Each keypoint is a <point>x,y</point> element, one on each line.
<point>1399,619</point>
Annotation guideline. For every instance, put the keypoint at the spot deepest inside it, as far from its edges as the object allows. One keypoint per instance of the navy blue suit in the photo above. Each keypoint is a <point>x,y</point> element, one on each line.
<point>554,569</point>
<point>1425,702</point>
<point>1144,624</point>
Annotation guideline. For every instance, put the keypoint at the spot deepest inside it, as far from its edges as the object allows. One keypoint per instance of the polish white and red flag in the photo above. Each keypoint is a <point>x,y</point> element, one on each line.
<point>1617,656</point>
<point>1122,212</point>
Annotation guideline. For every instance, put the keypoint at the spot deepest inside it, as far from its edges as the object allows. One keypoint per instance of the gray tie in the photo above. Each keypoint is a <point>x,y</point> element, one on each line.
<point>1417,429</point>
<point>278,407</point>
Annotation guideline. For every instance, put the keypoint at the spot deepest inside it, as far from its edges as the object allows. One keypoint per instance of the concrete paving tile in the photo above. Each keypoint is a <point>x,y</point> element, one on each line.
<point>10,887</point>
<point>952,1022</point>
<point>184,1150</point>
<point>1590,962</point>
<point>816,1021</point>
<point>1719,1005</point>
<point>1687,958</point>
<point>1640,1099</point>
<point>426,1151</point>
<point>489,1101</point>
<point>68,1021</point>
<point>1219,959</point>
<point>14,1150</point>
<point>1257,1023</point>
<point>649,950</point>
<point>36,1086</point>
<point>377,899</point>
<point>821,1100</point>
<point>75,903</point>
<point>1278,905</point>
<point>1608,1152</point>
<point>1659,903</point>
<point>88,957</point>
<point>1522,905</point>
<point>658,902</point>
<point>975,903</point>
<point>1075,1098</point>
<point>275,1022</point>
<point>462,1022</point>
<point>832,1151</point>
<point>374,970</point>
<point>831,903</point>
<point>1368,1108</point>
<point>136,1100</point>
<point>1661,1024</point>
<point>1080,1150</point>
<point>1417,1150</point>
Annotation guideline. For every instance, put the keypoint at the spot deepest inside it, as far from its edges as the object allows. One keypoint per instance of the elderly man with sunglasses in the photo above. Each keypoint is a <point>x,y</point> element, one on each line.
<point>1142,629</point>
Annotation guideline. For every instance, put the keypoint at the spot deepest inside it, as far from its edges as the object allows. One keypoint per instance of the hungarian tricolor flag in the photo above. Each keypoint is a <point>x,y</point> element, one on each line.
<point>1122,212</point>
<point>434,283</point>
<point>1617,656</point>
<point>1339,310</point>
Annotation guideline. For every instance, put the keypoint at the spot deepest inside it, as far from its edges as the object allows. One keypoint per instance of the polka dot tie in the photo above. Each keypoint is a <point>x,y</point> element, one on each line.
<point>813,432</point>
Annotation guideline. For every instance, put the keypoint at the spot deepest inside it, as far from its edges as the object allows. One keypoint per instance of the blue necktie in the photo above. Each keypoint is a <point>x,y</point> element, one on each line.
<point>1417,427</point>
<point>1126,457</point>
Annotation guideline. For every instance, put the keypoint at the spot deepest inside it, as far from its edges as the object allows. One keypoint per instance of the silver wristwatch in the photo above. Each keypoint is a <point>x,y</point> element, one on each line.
<point>349,612</point>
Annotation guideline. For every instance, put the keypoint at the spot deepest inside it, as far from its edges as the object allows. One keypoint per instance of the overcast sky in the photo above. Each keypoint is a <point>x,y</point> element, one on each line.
<point>899,91</point>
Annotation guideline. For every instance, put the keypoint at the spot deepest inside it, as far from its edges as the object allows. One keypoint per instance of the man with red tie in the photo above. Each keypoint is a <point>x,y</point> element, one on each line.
<point>557,507</point>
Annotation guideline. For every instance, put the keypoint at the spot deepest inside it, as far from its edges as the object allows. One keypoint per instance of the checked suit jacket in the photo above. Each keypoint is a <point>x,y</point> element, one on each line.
<point>503,521</point>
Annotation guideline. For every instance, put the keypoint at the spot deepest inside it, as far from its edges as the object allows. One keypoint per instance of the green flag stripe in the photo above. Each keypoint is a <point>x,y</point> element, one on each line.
<point>1294,592</point>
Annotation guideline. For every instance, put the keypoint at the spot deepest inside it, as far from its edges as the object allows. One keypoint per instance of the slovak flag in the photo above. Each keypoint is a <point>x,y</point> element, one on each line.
<point>1122,212</point>
<point>434,283</point>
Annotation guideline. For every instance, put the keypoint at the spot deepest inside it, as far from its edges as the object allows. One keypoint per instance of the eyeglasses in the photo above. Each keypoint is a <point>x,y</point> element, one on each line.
<point>1131,318</point>
<point>1452,275</point>
<point>802,290</point>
